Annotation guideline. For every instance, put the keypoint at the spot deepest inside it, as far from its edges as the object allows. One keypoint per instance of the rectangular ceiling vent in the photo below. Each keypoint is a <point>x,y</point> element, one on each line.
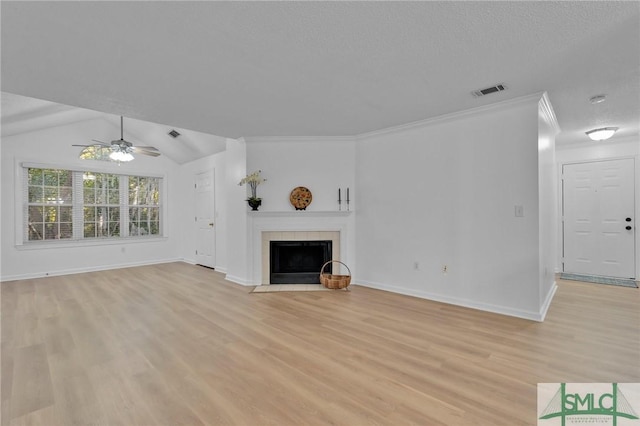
<point>489,90</point>
<point>173,133</point>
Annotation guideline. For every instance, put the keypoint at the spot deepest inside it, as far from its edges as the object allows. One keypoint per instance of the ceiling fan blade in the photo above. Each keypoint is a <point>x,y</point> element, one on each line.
<point>148,148</point>
<point>143,151</point>
<point>97,142</point>
<point>86,146</point>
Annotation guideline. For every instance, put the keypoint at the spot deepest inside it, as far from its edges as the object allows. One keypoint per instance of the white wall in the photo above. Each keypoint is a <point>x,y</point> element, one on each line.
<point>52,147</point>
<point>547,197</point>
<point>238,255</point>
<point>443,192</point>
<point>321,164</point>
<point>614,148</point>
<point>188,237</point>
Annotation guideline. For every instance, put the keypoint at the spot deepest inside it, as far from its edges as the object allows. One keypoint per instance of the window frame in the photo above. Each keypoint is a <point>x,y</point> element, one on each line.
<point>78,239</point>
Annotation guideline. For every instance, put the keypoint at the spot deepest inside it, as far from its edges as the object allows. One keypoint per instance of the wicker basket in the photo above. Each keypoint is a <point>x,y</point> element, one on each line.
<point>335,281</point>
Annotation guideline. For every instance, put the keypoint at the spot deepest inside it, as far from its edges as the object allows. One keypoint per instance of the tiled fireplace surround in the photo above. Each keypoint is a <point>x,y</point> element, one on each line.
<point>294,226</point>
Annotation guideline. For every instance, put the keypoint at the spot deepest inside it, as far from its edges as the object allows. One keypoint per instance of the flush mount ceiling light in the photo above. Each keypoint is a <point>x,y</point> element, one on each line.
<point>601,134</point>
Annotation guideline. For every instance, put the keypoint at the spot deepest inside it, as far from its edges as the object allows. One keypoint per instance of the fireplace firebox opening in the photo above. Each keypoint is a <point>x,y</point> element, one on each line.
<point>298,262</point>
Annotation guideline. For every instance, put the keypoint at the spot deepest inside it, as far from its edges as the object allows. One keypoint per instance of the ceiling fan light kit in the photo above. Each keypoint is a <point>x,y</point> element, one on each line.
<point>121,156</point>
<point>122,150</point>
<point>601,134</point>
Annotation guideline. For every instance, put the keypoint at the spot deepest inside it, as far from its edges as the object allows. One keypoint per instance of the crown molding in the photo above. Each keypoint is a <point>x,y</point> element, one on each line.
<point>547,112</point>
<point>263,139</point>
<point>510,103</point>
<point>538,97</point>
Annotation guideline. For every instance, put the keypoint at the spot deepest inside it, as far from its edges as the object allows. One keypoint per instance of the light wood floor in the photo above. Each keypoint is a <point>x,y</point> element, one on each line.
<point>177,344</point>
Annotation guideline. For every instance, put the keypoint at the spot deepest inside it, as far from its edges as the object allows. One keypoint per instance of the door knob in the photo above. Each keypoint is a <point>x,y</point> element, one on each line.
<point>211,224</point>
<point>628,219</point>
<point>628,228</point>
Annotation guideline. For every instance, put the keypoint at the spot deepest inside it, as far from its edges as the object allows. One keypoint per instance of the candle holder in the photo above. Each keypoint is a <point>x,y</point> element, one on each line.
<point>347,199</point>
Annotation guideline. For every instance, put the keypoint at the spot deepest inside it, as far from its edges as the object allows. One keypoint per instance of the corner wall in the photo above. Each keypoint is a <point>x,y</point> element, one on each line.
<point>444,192</point>
<point>547,195</point>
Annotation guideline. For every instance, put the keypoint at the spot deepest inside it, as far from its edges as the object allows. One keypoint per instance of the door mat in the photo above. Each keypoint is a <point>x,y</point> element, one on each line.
<point>599,280</point>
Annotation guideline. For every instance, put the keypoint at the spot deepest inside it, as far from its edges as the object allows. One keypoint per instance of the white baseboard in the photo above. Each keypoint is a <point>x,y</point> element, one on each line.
<point>72,271</point>
<point>547,301</point>
<point>238,280</point>
<point>221,269</point>
<point>503,310</point>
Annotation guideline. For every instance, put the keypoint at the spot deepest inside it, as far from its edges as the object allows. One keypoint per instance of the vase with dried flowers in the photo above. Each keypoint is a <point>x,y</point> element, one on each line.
<point>252,181</point>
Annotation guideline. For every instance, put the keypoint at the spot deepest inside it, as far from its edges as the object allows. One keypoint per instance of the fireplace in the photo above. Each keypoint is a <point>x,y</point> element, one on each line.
<point>298,262</point>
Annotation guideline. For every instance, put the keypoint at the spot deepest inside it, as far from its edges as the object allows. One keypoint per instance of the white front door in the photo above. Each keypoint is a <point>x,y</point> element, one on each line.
<point>598,218</point>
<point>205,225</point>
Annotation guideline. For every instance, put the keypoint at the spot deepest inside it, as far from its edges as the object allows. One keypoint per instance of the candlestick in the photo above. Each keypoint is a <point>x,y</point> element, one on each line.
<point>347,199</point>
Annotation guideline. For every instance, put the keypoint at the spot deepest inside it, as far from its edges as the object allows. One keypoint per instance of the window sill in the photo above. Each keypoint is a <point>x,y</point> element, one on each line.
<point>33,245</point>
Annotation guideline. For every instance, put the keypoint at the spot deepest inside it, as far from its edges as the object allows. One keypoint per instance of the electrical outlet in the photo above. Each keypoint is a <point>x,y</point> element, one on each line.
<point>519,211</point>
<point>416,266</point>
<point>445,269</point>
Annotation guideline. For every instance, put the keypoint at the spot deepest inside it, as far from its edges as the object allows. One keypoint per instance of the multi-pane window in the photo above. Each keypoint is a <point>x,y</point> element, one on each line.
<point>144,206</point>
<point>50,204</point>
<point>101,209</point>
<point>66,204</point>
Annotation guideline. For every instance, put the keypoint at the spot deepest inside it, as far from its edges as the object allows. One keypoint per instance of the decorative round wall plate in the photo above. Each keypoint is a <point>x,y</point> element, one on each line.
<point>300,197</point>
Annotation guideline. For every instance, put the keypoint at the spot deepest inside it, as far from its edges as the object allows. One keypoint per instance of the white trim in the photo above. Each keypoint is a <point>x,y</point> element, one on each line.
<point>259,139</point>
<point>299,213</point>
<point>76,168</point>
<point>85,269</point>
<point>503,310</point>
<point>20,208</point>
<point>548,113</point>
<point>547,301</point>
<point>52,244</point>
<point>509,103</point>
<point>453,116</point>
<point>238,280</point>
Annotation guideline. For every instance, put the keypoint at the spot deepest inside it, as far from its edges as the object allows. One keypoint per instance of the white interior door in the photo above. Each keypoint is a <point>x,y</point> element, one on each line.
<point>598,218</point>
<point>205,213</point>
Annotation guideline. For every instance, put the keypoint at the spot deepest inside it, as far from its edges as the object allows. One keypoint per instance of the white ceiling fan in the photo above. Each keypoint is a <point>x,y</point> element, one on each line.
<point>122,150</point>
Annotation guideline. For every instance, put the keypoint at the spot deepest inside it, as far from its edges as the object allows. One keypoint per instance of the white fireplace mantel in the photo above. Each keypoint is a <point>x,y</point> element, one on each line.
<point>299,214</point>
<point>297,221</point>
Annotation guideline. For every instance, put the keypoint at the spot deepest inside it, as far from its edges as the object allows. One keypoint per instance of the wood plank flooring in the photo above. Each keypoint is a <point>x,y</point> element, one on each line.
<point>177,344</point>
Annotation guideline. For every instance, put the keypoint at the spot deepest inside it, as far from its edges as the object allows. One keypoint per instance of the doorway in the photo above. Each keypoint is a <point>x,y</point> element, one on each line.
<point>598,223</point>
<point>205,215</point>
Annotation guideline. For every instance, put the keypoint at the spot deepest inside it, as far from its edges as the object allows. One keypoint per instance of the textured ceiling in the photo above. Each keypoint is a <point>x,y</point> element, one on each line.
<point>323,68</point>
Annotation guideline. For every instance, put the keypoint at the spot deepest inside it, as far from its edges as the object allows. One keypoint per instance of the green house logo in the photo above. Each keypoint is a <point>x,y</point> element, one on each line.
<point>595,403</point>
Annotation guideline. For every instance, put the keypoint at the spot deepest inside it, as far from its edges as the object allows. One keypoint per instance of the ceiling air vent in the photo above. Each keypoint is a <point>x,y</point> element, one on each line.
<point>174,133</point>
<point>489,90</point>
